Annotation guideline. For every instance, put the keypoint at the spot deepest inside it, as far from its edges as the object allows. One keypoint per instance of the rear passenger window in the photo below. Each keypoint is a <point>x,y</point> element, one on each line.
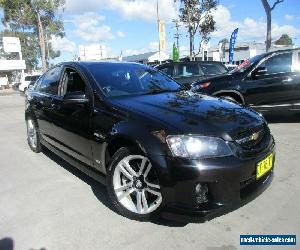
<point>189,69</point>
<point>50,81</point>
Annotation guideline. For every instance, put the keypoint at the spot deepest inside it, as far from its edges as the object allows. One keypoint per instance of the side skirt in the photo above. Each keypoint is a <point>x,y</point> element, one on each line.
<point>79,165</point>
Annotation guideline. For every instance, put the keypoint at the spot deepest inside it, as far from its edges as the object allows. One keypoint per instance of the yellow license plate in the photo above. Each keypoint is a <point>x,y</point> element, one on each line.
<point>264,166</point>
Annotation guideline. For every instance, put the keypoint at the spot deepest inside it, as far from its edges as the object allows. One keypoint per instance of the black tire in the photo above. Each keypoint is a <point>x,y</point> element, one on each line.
<point>122,210</point>
<point>35,147</point>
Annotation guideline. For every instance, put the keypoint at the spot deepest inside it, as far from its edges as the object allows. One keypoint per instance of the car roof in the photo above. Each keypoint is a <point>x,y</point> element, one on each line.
<point>188,62</point>
<point>89,63</point>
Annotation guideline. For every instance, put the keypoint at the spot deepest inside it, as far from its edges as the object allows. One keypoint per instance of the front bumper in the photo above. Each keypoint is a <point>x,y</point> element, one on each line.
<point>231,183</point>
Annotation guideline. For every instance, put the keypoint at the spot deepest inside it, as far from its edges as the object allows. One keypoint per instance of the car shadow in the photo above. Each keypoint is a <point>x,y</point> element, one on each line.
<point>99,189</point>
<point>282,117</point>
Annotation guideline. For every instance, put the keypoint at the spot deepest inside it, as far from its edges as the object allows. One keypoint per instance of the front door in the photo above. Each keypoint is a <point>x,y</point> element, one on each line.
<point>45,90</point>
<point>72,122</point>
<point>271,89</point>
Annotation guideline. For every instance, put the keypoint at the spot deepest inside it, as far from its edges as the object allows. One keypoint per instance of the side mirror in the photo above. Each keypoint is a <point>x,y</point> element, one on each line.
<point>259,71</point>
<point>77,97</point>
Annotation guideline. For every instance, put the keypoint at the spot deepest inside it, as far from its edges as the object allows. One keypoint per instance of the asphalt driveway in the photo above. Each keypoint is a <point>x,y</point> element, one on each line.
<point>47,204</point>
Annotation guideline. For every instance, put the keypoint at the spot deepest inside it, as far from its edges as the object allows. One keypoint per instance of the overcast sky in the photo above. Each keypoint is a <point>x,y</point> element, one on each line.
<point>130,25</point>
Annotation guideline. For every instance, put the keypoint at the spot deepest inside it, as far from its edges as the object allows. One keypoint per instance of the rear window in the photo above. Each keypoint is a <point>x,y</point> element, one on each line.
<point>212,69</point>
<point>189,69</point>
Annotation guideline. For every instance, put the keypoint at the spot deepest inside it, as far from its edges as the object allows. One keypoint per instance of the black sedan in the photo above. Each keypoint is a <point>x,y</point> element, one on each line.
<point>265,82</point>
<point>158,149</point>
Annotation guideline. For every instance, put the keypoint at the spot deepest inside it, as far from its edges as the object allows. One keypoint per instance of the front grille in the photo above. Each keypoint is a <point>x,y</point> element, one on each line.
<point>254,141</point>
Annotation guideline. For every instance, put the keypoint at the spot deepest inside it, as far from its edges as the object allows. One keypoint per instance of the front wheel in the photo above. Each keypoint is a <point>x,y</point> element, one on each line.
<point>133,185</point>
<point>33,136</point>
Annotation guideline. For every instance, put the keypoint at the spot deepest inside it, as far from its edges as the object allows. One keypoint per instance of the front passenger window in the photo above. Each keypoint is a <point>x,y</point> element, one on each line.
<point>72,82</point>
<point>281,63</point>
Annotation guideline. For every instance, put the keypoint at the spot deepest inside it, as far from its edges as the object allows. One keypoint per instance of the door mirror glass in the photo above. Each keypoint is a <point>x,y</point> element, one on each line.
<point>77,97</point>
<point>259,71</point>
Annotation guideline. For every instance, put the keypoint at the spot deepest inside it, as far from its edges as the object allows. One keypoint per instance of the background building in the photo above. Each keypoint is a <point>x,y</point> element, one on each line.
<point>93,52</point>
<point>12,65</point>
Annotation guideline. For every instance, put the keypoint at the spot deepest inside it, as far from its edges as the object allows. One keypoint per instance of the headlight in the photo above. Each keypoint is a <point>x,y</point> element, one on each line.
<point>192,146</point>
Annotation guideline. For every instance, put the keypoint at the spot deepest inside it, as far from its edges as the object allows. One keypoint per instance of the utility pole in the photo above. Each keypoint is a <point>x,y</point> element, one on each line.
<point>158,24</point>
<point>177,35</point>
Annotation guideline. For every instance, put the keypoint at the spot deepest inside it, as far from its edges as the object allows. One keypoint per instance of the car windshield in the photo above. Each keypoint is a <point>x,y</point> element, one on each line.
<point>247,64</point>
<point>121,79</point>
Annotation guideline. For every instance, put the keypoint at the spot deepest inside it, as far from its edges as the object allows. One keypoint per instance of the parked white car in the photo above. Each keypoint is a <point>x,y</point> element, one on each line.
<point>26,80</point>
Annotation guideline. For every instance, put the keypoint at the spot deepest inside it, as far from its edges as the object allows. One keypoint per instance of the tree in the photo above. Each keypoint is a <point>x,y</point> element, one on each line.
<point>268,10</point>
<point>34,16</point>
<point>197,18</point>
<point>284,40</point>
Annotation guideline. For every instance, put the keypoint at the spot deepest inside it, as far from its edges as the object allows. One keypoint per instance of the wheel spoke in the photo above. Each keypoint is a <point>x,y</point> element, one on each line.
<point>125,194</point>
<point>126,169</point>
<point>144,201</point>
<point>148,169</point>
<point>143,165</point>
<point>124,187</point>
<point>151,185</point>
<point>153,192</point>
<point>139,207</point>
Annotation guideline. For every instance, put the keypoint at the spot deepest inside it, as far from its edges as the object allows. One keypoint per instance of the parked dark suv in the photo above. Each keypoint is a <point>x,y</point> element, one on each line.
<point>267,81</point>
<point>156,147</point>
<point>188,72</point>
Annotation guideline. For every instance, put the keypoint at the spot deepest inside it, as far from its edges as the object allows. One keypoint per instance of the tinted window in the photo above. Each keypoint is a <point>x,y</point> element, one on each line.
<point>212,69</point>
<point>189,69</point>
<point>278,63</point>
<point>27,78</point>
<point>50,81</point>
<point>168,70</point>
<point>130,79</point>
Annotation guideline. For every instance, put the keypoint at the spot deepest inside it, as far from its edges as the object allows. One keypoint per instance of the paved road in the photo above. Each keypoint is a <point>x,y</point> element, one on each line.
<point>45,203</point>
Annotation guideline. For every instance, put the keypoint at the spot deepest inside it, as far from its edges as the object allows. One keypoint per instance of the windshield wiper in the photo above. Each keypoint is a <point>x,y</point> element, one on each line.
<point>158,91</point>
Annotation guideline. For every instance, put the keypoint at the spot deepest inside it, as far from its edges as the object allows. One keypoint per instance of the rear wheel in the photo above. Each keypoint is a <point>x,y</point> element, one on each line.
<point>33,136</point>
<point>133,185</point>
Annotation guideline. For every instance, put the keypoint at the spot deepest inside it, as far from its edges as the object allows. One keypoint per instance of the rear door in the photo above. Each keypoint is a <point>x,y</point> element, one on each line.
<point>273,88</point>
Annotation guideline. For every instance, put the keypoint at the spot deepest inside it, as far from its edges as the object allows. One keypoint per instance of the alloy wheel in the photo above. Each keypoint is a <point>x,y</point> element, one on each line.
<point>136,186</point>
<point>31,133</point>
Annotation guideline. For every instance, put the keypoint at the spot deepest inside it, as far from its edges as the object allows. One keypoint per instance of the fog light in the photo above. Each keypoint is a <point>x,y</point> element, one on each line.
<point>201,191</point>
